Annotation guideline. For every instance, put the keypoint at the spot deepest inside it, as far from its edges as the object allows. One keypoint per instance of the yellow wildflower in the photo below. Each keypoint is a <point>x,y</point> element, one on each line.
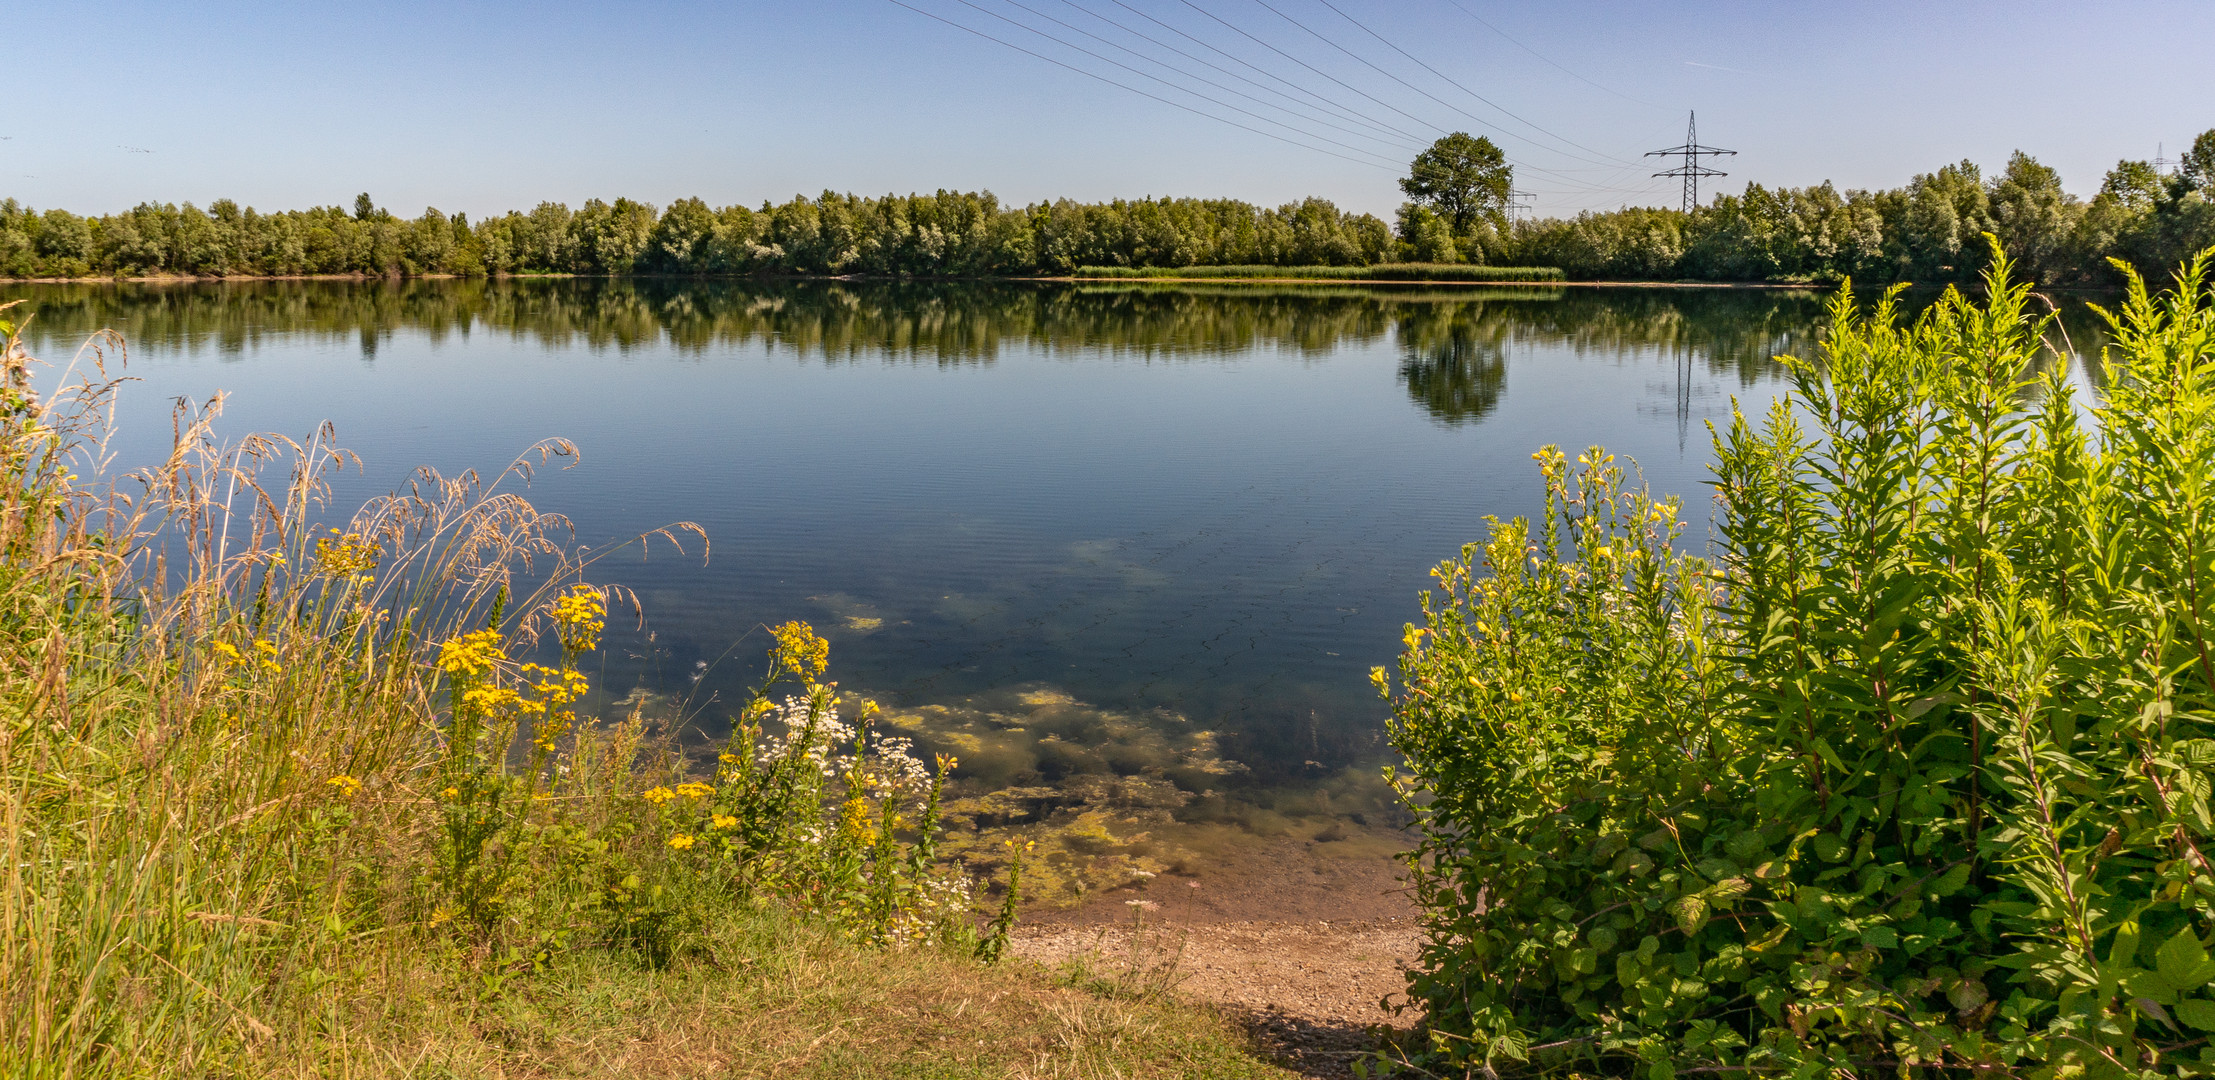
<point>801,649</point>
<point>450,794</point>
<point>680,842</point>
<point>695,790</point>
<point>470,655</point>
<point>549,732</point>
<point>579,617</point>
<point>349,556</point>
<point>723,821</point>
<point>658,795</point>
<point>347,786</point>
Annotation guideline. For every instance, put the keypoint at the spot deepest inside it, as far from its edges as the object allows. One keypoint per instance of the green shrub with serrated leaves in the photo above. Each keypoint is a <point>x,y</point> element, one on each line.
<point>1911,776</point>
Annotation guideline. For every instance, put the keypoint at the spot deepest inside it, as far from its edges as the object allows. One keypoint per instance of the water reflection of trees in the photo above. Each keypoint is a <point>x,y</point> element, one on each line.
<point>1456,341</point>
<point>1455,360</point>
<point>947,323</point>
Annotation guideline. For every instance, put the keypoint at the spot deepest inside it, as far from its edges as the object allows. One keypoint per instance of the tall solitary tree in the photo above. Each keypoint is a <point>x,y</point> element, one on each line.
<point>1465,179</point>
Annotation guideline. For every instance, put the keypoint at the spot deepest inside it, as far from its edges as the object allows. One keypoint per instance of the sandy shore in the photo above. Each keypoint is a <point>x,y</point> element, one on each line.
<point>1304,942</point>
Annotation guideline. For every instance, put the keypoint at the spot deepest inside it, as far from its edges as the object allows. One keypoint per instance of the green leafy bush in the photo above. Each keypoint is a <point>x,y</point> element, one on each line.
<point>1912,777</point>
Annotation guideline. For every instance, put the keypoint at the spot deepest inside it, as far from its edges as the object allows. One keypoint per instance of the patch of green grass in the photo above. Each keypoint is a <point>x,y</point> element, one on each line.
<point>766,995</point>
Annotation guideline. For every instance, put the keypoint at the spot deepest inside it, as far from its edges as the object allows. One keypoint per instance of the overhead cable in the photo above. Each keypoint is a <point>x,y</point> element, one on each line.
<point>1123,86</point>
<point>1201,78</point>
<point>1327,103</point>
<point>1365,62</point>
<point>1403,139</point>
<point>1457,85</point>
<point>1420,122</point>
<point>1481,20</point>
<point>1156,78</point>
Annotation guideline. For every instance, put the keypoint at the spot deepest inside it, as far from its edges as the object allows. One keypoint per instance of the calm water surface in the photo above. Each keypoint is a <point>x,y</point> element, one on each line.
<point>1077,530</point>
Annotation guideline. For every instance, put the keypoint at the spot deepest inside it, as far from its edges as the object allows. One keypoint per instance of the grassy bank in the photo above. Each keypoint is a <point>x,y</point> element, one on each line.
<point>1379,272</point>
<point>291,791</point>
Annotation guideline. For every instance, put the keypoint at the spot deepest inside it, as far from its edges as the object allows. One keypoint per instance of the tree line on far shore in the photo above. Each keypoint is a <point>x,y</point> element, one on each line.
<point>947,233</point>
<point>1927,231</point>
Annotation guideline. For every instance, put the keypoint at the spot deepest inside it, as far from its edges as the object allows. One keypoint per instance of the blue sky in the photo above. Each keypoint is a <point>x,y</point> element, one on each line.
<point>481,107</point>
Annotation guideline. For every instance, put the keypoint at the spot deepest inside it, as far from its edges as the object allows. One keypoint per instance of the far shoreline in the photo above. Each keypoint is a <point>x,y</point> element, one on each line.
<point>196,279</point>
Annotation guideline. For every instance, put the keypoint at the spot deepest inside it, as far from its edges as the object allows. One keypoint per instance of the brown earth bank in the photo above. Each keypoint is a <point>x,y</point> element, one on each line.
<point>1303,942</point>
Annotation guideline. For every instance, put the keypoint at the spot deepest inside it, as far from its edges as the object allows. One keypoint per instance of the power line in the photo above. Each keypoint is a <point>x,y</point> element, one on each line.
<point>1187,74</point>
<point>1132,89</point>
<point>1691,170</point>
<point>1364,28</point>
<point>1549,60</point>
<point>1401,139</point>
<point>1419,121</point>
<point>1250,66</point>
<point>1403,82</point>
<point>1165,82</point>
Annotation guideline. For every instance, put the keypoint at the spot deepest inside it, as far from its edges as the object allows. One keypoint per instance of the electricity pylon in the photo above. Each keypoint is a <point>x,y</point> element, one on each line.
<point>1691,170</point>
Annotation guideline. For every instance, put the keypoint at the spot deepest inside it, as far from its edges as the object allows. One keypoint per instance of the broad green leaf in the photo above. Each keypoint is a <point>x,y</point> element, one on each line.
<point>2182,961</point>
<point>2197,1012</point>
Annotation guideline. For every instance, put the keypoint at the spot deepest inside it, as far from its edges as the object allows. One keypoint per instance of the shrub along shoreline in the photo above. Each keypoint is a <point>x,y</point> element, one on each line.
<point>1912,778</point>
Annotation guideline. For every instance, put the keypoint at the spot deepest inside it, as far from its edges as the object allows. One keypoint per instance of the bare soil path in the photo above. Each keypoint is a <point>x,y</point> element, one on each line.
<point>1302,941</point>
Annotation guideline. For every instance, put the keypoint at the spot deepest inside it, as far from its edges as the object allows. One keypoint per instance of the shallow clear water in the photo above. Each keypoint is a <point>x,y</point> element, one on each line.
<point>1171,527</point>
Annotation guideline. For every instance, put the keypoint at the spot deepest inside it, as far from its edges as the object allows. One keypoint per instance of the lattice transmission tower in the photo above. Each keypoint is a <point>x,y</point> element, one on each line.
<point>1691,170</point>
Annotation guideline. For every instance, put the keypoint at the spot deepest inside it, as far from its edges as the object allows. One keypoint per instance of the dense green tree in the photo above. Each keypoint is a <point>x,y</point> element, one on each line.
<point>2034,218</point>
<point>2197,168</point>
<point>1425,236</point>
<point>1466,179</point>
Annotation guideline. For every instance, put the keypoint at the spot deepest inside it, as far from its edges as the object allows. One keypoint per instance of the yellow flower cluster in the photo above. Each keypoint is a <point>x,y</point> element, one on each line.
<point>695,790</point>
<point>347,786</point>
<point>471,655</point>
<point>658,795</point>
<point>554,690</point>
<point>800,648</point>
<point>680,842</point>
<point>346,556</point>
<point>723,821</point>
<point>579,616</point>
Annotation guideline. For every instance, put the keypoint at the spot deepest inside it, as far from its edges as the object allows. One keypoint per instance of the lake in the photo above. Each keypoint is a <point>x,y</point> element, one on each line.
<point>1080,534</point>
